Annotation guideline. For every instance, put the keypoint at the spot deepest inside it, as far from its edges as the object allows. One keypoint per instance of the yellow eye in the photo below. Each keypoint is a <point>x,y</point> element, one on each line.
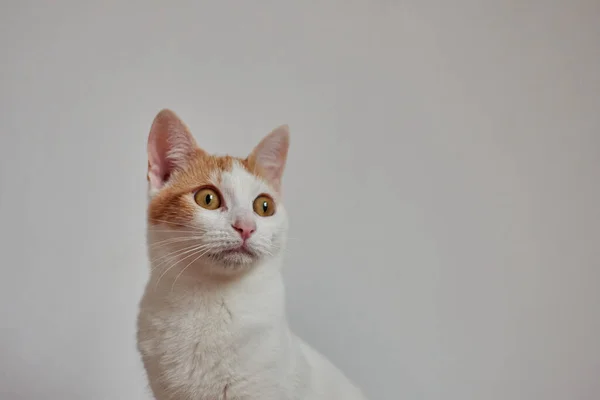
<point>208,198</point>
<point>264,206</point>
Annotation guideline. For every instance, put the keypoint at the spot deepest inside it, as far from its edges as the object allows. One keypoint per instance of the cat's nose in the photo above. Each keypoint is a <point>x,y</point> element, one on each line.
<point>244,227</point>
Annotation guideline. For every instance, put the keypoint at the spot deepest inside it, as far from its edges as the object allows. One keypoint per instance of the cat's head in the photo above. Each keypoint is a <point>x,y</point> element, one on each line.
<point>220,212</point>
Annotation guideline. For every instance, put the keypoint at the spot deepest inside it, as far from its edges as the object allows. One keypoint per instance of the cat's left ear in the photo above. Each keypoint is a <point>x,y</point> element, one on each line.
<point>269,156</point>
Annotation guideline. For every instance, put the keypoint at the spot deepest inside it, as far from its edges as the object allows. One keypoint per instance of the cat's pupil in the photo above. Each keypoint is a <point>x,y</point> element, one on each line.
<point>265,206</point>
<point>208,199</point>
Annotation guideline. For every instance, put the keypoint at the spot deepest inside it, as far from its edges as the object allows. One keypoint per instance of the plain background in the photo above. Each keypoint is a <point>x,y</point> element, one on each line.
<point>443,184</point>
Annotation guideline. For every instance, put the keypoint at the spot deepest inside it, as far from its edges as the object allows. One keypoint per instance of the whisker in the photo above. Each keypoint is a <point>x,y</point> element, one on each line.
<point>174,231</point>
<point>173,240</point>
<point>173,255</point>
<point>172,266</point>
<point>175,258</point>
<point>186,267</point>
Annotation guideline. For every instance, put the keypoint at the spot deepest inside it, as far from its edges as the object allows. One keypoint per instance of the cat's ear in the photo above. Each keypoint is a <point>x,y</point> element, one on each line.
<point>269,156</point>
<point>170,146</point>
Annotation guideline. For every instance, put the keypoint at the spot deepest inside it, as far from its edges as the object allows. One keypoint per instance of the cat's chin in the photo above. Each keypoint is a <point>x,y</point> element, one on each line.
<point>231,261</point>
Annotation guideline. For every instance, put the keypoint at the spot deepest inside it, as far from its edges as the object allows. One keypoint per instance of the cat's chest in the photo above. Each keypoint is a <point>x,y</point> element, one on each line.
<point>206,347</point>
<point>188,331</point>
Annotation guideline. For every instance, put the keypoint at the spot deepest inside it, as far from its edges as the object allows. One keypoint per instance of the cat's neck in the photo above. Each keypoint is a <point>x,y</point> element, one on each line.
<point>256,295</point>
<point>204,279</point>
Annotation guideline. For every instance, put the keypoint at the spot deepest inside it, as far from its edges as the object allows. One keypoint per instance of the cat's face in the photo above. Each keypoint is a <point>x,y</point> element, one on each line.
<point>216,211</point>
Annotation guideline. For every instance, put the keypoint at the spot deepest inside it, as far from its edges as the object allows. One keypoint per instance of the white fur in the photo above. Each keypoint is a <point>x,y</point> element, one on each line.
<point>209,330</point>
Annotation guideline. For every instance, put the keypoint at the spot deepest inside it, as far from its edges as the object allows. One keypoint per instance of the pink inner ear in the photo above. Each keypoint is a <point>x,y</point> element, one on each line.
<point>158,176</point>
<point>170,146</point>
<point>270,155</point>
<point>158,163</point>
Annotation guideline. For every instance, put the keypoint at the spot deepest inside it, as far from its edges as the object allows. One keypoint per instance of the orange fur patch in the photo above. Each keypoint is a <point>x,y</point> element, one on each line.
<point>169,203</point>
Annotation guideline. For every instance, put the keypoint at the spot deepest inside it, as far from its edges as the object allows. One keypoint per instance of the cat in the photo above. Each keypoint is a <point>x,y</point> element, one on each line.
<point>212,322</point>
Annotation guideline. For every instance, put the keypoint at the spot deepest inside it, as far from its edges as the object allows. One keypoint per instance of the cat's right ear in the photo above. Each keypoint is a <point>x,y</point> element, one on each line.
<point>170,146</point>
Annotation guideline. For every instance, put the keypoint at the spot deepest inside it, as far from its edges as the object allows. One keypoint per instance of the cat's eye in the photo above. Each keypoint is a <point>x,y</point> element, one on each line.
<point>208,198</point>
<point>264,206</point>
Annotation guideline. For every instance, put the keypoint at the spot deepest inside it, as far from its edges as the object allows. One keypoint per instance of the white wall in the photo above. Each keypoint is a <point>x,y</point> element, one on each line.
<point>443,184</point>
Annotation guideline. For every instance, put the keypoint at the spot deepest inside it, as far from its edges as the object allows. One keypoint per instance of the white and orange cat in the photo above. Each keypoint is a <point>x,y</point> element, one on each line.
<point>212,322</point>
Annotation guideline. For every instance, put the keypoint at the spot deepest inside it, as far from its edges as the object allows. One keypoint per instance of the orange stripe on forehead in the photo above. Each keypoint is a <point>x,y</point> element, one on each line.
<point>201,168</point>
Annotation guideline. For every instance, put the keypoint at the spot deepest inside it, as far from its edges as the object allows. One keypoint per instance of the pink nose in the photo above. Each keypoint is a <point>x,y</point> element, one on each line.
<point>244,228</point>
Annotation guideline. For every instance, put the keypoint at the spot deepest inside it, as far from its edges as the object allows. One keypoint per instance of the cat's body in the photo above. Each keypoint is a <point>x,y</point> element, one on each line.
<point>212,323</point>
<point>211,343</point>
